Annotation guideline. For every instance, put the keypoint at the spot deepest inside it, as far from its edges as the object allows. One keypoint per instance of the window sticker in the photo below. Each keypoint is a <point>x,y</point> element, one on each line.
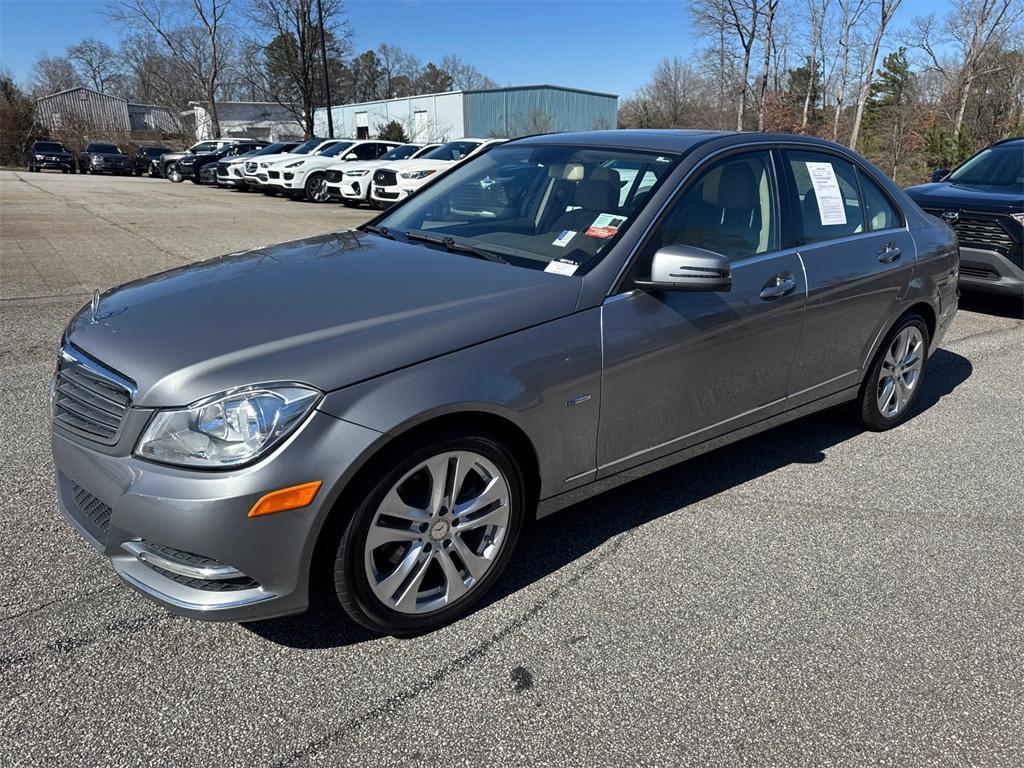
<point>562,267</point>
<point>605,225</point>
<point>826,189</point>
<point>564,237</point>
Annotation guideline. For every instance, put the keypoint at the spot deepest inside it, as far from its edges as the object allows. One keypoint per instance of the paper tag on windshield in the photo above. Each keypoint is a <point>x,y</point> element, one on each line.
<point>564,237</point>
<point>562,267</point>
<point>826,188</point>
<point>605,225</point>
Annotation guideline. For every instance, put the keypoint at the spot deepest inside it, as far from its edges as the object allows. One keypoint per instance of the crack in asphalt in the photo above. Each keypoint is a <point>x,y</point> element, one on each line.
<point>412,692</point>
<point>58,601</point>
<point>107,219</point>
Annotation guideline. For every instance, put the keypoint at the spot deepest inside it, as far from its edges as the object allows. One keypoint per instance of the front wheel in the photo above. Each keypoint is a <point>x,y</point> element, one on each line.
<point>316,188</point>
<point>174,175</point>
<point>432,535</point>
<point>896,376</point>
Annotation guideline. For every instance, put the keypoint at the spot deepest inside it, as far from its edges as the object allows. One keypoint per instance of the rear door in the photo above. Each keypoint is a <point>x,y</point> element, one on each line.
<point>683,367</point>
<point>858,256</point>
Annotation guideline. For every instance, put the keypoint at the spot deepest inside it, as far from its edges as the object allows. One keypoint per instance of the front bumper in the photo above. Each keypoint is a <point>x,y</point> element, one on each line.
<point>155,522</point>
<point>990,271</point>
<point>60,164</point>
<point>390,194</point>
<point>350,189</point>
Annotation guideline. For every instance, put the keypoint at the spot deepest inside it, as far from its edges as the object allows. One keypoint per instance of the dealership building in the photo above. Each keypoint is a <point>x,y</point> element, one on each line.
<point>500,112</point>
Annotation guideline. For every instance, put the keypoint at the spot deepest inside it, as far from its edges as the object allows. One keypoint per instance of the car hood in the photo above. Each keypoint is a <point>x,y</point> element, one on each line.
<point>327,311</point>
<point>975,197</point>
<point>311,162</point>
<point>404,166</point>
<point>362,165</point>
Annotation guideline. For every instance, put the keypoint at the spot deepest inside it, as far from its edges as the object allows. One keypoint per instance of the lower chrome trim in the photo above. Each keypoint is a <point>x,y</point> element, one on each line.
<point>823,383</point>
<point>203,601</point>
<point>207,573</point>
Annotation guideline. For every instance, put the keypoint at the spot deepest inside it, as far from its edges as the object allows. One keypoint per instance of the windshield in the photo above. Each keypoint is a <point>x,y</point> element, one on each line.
<point>400,153</point>
<point>998,166</point>
<point>109,149</point>
<point>337,149</point>
<point>48,146</point>
<point>154,151</point>
<point>534,205</point>
<point>453,150</point>
<point>273,149</point>
<point>306,147</point>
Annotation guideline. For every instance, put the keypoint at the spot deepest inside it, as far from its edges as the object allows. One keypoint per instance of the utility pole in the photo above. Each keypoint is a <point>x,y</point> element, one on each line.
<point>323,60</point>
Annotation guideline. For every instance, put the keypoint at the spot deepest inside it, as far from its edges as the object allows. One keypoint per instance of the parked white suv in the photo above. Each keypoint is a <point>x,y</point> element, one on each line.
<point>305,177</point>
<point>351,181</point>
<point>396,181</point>
<point>256,171</point>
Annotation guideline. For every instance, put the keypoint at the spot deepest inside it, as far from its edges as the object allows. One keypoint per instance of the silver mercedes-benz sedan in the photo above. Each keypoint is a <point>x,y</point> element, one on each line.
<point>380,412</point>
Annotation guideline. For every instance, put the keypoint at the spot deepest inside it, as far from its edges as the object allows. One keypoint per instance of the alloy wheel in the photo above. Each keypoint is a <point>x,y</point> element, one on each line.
<point>437,532</point>
<point>316,189</point>
<point>900,372</point>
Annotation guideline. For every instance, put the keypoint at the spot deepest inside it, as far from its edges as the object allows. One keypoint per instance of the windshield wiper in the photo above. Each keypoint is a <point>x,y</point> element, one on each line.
<point>450,244</point>
<point>382,231</point>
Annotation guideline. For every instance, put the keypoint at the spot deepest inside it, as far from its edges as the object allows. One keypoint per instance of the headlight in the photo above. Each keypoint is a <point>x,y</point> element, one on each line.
<point>296,164</point>
<point>417,174</point>
<point>356,173</point>
<point>227,429</point>
<point>39,157</point>
<point>1019,217</point>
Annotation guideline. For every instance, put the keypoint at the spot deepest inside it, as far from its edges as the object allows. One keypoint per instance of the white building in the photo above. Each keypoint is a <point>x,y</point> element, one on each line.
<point>508,111</point>
<point>265,120</point>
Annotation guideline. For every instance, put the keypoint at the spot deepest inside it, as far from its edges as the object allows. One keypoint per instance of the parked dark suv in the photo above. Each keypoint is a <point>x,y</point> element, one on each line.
<point>983,200</point>
<point>104,158</point>
<point>146,159</point>
<point>189,166</point>
<point>50,154</point>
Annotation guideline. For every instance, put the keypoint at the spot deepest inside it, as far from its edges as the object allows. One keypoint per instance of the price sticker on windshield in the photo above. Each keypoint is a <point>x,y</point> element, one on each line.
<point>564,238</point>
<point>562,267</point>
<point>606,225</point>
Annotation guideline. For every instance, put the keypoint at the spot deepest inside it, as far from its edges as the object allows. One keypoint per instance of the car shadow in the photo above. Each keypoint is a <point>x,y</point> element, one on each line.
<point>556,541</point>
<point>992,304</point>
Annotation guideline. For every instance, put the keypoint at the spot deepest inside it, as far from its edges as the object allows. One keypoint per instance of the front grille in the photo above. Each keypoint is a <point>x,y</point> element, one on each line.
<point>979,272</point>
<point>94,514</point>
<point>250,167</point>
<point>274,174</point>
<point>385,178</point>
<point>334,176</point>
<point>222,169</point>
<point>88,399</point>
<point>979,229</point>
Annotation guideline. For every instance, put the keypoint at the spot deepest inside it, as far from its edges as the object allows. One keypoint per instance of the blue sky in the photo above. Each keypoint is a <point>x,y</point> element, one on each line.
<point>603,45</point>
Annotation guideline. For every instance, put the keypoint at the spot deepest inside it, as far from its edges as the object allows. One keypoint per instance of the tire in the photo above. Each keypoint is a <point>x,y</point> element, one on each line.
<point>377,205</point>
<point>437,558</point>
<point>315,188</point>
<point>896,376</point>
<point>174,176</point>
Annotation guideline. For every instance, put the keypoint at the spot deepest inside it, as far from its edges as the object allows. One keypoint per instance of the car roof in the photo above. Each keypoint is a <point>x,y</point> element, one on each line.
<point>669,139</point>
<point>1011,140</point>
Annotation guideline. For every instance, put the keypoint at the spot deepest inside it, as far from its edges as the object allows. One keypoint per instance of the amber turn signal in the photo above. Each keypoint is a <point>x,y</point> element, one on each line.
<point>296,497</point>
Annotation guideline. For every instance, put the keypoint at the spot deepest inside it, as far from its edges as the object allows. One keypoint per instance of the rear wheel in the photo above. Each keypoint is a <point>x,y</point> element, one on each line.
<point>432,535</point>
<point>896,376</point>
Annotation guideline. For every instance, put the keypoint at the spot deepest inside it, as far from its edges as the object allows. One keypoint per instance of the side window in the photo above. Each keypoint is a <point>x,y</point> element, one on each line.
<point>729,209</point>
<point>828,204</point>
<point>879,210</point>
<point>364,151</point>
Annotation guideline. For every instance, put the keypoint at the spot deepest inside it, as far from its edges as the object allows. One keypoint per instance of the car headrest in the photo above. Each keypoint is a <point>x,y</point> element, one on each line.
<point>567,171</point>
<point>731,186</point>
<point>600,192</point>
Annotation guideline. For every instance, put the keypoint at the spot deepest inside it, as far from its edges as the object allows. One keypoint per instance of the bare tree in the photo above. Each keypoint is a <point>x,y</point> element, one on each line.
<point>296,80</point>
<point>851,11</point>
<point>197,33</point>
<point>97,64</point>
<point>732,17</point>
<point>886,10</point>
<point>770,9</point>
<point>974,27</point>
<point>50,74</point>
<point>465,77</point>
<point>817,13</point>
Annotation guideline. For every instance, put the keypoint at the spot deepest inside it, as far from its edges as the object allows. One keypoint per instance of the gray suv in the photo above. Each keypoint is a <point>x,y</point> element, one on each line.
<point>380,412</point>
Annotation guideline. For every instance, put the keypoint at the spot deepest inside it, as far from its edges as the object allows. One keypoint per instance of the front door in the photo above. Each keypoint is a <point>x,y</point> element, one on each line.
<point>683,367</point>
<point>858,255</point>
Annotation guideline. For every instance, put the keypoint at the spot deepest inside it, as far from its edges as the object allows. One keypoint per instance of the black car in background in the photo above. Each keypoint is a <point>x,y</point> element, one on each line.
<point>189,166</point>
<point>100,157</point>
<point>230,170</point>
<point>210,173</point>
<point>50,154</point>
<point>983,200</point>
<point>146,158</point>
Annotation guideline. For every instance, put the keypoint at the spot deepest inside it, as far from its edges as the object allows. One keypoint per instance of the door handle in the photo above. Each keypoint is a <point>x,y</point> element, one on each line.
<point>780,285</point>
<point>889,253</point>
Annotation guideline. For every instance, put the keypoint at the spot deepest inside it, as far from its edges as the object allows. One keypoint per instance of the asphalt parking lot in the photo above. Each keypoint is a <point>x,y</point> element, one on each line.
<point>814,596</point>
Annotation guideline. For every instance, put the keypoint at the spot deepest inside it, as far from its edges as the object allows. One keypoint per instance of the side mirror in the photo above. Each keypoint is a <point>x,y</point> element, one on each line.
<point>351,156</point>
<point>939,174</point>
<point>688,268</point>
